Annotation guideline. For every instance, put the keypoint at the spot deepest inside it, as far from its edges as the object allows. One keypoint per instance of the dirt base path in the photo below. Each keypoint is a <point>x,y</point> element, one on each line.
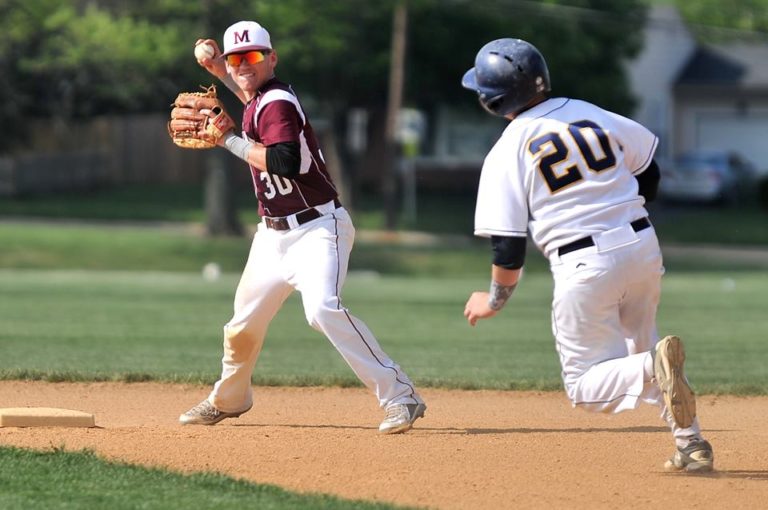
<point>473,450</point>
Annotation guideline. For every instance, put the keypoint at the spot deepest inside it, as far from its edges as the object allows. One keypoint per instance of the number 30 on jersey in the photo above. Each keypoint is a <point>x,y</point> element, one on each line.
<point>558,168</point>
<point>274,184</point>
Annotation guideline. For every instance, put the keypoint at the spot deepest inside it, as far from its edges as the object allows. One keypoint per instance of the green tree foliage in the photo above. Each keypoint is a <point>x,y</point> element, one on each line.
<point>73,59</point>
<point>79,61</point>
<point>584,42</point>
<point>113,55</point>
<point>340,49</point>
<point>736,18</point>
<point>78,58</point>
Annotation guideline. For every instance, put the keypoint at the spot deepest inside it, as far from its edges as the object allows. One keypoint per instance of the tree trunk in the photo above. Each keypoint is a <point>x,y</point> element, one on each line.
<point>220,208</point>
<point>334,163</point>
<point>221,213</point>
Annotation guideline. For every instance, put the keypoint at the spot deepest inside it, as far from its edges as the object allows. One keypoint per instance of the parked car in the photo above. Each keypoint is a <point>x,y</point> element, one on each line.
<point>707,176</point>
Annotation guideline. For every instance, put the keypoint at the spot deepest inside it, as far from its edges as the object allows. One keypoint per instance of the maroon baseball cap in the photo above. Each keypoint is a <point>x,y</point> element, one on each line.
<point>246,36</point>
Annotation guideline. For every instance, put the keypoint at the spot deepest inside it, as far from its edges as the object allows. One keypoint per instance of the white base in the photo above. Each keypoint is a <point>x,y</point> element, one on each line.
<point>44,417</point>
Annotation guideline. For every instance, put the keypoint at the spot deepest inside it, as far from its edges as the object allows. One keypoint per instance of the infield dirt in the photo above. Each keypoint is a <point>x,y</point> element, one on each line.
<point>473,450</point>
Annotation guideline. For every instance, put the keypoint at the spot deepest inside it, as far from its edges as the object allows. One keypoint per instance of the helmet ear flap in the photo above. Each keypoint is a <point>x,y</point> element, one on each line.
<point>493,105</point>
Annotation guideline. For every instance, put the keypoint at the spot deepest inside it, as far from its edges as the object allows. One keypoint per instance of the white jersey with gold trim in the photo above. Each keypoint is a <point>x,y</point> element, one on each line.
<point>563,170</point>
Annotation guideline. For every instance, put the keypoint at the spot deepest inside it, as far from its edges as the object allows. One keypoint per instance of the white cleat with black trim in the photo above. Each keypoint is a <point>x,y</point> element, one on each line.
<point>400,417</point>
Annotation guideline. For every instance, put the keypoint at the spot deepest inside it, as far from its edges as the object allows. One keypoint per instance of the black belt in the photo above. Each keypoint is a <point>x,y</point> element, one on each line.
<point>302,217</point>
<point>586,242</point>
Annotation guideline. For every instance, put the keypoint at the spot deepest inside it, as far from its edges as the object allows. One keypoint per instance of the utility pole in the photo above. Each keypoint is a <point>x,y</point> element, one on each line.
<point>394,104</point>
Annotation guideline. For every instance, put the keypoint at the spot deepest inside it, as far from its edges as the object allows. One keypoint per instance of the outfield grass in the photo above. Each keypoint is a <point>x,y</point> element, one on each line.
<point>89,301</point>
<point>89,325</point>
<point>439,212</point>
<point>740,226</point>
<point>102,246</point>
<point>56,479</point>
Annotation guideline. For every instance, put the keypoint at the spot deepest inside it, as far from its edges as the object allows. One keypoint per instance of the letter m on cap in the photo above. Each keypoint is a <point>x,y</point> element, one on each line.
<point>242,37</point>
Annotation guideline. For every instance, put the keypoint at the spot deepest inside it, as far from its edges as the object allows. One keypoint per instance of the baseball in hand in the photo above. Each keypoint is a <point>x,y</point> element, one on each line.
<point>203,50</point>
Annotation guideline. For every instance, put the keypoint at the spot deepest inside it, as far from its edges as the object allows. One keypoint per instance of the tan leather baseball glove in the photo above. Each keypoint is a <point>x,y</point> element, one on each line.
<point>198,119</point>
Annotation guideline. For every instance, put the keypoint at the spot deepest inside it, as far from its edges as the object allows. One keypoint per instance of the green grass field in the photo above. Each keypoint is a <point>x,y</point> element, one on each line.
<point>108,247</point>
<point>93,325</point>
<point>744,225</point>
<point>55,479</point>
<point>83,302</point>
<point>64,325</point>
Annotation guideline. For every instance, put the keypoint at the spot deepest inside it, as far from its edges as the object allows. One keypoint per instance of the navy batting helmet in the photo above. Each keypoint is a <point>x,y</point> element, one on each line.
<point>508,73</point>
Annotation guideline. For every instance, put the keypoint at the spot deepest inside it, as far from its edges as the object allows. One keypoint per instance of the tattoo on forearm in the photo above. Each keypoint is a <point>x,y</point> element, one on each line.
<point>499,295</point>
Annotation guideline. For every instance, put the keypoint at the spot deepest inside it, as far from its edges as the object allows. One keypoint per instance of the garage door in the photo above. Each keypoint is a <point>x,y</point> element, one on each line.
<point>745,134</point>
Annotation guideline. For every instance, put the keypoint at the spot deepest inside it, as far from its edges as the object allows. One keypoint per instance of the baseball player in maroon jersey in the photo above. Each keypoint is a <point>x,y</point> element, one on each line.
<point>576,178</point>
<point>302,243</point>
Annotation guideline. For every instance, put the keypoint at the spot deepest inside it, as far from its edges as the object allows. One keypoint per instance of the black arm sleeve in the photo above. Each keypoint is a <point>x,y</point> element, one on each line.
<point>648,181</point>
<point>508,252</point>
<point>284,159</point>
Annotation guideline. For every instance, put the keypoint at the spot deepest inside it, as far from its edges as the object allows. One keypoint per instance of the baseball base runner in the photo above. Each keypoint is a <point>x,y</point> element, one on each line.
<point>575,178</point>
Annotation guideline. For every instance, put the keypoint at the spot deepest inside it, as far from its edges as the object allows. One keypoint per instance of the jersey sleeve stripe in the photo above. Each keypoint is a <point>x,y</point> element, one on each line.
<point>280,95</point>
<point>648,160</point>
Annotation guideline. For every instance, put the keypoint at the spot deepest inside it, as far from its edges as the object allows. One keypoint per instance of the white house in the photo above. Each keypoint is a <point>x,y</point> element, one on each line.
<point>698,95</point>
<point>667,46</point>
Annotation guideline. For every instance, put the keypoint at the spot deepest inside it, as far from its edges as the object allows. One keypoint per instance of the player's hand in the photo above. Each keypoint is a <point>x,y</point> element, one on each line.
<point>215,65</point>
<point>477,308</point>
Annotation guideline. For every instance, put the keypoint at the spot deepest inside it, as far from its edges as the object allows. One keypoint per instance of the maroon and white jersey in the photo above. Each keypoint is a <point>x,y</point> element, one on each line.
<point>274,116</point>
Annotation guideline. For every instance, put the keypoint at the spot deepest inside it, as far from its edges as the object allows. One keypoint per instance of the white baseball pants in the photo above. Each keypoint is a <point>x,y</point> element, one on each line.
<point>604,322</point>
<point>311,258</point>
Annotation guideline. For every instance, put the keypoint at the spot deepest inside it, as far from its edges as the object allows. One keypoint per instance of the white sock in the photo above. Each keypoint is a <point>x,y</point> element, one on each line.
<point>648,367</point>
<point>683,436</point>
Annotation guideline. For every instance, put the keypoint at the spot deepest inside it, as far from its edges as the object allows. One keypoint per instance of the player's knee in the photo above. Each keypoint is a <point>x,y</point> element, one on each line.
<point>571,391</point>
<point>314,317</point>
<point>238,337</point>
<point>571,398</point>
<point>318,314</point>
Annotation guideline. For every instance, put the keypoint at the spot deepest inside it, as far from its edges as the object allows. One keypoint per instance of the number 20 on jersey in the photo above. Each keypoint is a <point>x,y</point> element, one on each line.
<point>556,165</point>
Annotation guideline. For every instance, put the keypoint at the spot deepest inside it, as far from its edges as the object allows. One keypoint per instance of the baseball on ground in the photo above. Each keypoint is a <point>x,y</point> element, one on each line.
<point>211,272</point>
<point>203,51</point>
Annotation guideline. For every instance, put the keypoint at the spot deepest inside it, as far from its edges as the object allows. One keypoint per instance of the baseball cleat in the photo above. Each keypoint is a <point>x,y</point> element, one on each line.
<point>205,413</point>
<point>697,457</point>
<point>400,417</point>
<point>668,372</point>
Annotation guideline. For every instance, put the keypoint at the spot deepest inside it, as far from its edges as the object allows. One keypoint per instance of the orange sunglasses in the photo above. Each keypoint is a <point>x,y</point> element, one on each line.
<point>252,57</point>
